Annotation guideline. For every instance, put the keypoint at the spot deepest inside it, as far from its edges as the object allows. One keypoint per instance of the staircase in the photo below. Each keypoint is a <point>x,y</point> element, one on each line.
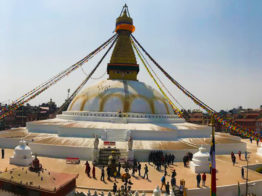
<point>104,153</point>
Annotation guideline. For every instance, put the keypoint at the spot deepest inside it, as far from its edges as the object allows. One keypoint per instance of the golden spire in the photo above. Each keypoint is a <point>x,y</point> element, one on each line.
<point>123,63</point>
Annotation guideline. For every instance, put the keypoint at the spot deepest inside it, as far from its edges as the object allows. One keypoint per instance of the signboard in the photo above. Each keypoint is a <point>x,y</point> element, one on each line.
<point>107,143</point>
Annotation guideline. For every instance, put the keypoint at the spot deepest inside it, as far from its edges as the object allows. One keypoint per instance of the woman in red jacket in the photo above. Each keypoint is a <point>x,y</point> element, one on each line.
<point>204,177</point>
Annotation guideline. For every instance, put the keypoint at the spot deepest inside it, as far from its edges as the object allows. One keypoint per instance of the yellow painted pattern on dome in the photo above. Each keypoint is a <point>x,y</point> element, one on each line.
<point>126,102</point>
<point>105,98</point>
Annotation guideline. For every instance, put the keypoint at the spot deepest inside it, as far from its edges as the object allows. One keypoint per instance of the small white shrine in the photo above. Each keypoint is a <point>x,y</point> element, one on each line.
<point>259,150</point>
<point>22,155</point>
<point>200,162</point>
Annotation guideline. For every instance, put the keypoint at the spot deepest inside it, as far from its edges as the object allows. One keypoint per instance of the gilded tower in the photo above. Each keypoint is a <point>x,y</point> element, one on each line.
<point>123,63</point>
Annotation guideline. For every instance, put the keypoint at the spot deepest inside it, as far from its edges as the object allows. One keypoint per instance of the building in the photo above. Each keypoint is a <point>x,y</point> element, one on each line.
<point>37,181</point>
<point>27,113</point>
<point>250,120</point>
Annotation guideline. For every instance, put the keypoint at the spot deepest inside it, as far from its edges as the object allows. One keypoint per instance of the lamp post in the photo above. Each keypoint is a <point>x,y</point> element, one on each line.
<point>247,157</point>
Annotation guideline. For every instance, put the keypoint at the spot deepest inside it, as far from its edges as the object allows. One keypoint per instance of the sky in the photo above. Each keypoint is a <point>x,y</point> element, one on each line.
<point>212,47</point>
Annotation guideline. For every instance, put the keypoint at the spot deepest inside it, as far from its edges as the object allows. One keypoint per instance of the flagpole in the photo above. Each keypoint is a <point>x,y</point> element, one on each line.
<point>213,160</point>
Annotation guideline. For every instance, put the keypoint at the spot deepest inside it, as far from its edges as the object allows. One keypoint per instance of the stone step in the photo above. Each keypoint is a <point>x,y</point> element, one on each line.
<point>104,153</point>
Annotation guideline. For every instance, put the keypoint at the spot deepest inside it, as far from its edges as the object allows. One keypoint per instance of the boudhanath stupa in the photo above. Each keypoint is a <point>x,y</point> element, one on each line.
<point>119,114</point>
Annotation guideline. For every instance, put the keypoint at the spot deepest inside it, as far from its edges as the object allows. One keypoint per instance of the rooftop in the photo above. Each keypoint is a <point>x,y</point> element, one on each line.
<point>45,180</point>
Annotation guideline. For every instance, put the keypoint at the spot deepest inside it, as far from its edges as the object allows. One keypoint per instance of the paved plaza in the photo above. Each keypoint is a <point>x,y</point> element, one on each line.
<point>227,173</point>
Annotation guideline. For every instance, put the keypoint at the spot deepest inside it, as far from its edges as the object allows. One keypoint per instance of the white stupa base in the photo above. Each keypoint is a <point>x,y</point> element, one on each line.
<point>95,156</point>
<point>259,150</point>
<point>20,161</point>
<point>203,168</point>
<point>130,155</point>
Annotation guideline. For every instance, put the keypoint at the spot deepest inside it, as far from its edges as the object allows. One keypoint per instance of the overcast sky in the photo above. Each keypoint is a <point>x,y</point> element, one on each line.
<point>213,48</point>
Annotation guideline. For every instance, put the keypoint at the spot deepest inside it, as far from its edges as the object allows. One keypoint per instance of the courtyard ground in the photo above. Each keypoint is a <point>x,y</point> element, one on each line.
<point>227,173</point>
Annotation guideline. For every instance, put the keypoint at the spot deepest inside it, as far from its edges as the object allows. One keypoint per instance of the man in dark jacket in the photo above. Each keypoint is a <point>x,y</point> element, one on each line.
<point>173,173</point>
<point>102,174</point>
<point>146,172</point>
<point>173,183</point>
<point>167,188</point>
<point>139,169</point>
<point>108,173</point>
<point>114,188</point>
<point>119,169</point>
<point>185,160</point>
<point>242,172</point>
<point>198,178</point>
<point>3,153</point>
<point>234,160</point>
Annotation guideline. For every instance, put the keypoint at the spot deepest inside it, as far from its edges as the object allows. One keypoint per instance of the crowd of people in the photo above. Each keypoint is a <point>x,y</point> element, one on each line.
<point>125,176</point>
<point>159,159</point>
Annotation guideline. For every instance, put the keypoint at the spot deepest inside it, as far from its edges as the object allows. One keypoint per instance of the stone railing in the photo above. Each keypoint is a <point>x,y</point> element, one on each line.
<point>155,192</point>
<point>116,116</point>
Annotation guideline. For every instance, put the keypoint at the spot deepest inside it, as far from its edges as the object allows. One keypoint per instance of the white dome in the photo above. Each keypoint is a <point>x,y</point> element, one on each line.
<point>23,146</point>
<point>121,95</point>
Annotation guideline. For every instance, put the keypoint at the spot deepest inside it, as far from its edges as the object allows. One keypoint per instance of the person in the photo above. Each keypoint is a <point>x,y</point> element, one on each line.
<point>102,174</point>
<point>87,169</point>
<point>257,142</point>
<point>3,153</point>
<point>185,160</point>
<point>242,172</point>
<point>146,172</point>
<point>234,160</point>
<point>133,170</point>
<point>114,188</point>
<point>173,182</point>
<point>204,177</point>
<point>190,156</point>
<point>115,174</point>
<point>246,155</point>
<point>165,167</point>
<point>181,189</point>
<point>167,188</point>
<point>239,155</point>
<point>172,159</point>
<point>232,154</point>
<point>251,139</point>
<point>139,169</point>
<point>163,182</point>
<point>198,178</point>
<point>119,168</point>
<point>108,173</point>
<point>94,171</point>
<point>173,173</point>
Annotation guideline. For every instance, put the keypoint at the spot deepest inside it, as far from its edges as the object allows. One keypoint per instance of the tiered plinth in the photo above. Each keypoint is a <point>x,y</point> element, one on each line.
<point>259,150</point>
